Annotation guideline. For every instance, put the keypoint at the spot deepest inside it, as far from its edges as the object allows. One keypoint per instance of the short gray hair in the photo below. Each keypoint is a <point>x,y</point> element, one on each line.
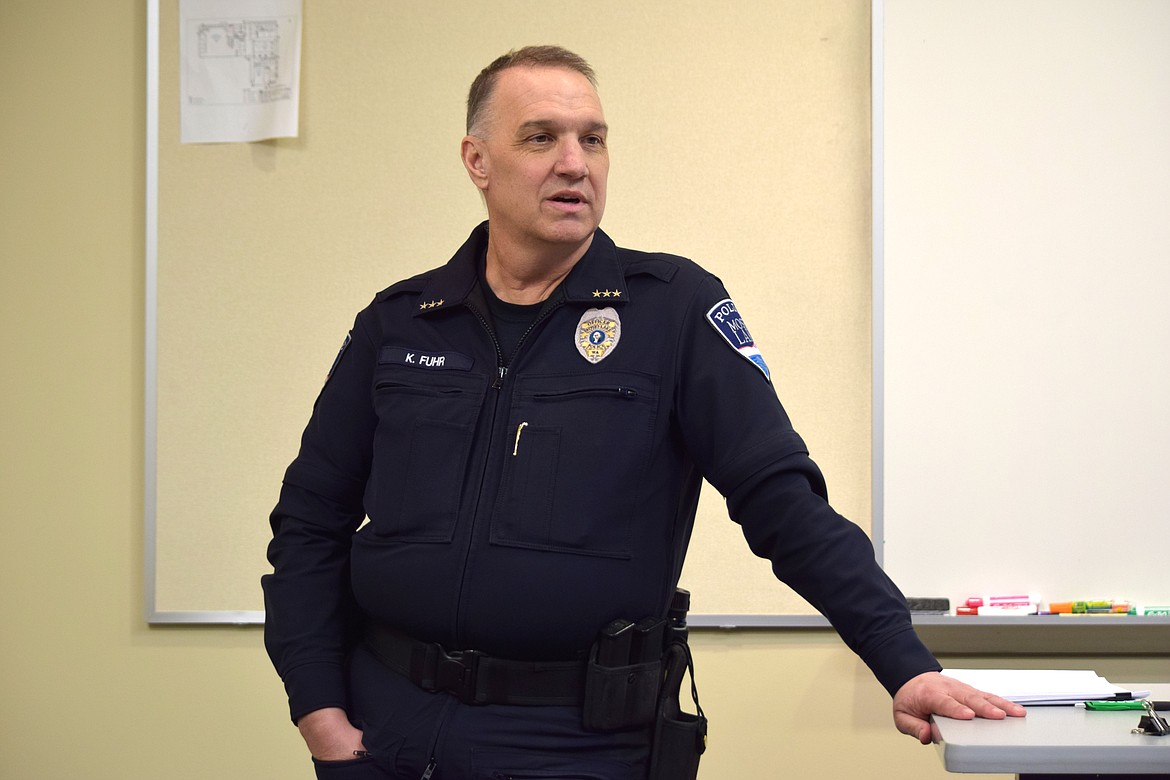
<point>529,56</point>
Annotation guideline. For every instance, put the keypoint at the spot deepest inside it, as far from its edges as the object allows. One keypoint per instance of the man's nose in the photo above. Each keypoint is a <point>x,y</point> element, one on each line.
<point>571,160</point>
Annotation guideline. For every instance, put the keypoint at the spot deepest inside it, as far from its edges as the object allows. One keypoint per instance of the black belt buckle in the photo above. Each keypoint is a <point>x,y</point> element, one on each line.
<point>455,673</point>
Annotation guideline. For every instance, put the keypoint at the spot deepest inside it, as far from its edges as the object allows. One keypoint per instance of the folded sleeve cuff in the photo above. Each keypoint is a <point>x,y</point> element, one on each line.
<point>900,658</point>
<point>315,686</point>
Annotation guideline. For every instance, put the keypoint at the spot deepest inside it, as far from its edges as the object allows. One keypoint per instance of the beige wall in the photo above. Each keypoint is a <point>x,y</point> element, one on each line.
<point>87,690</point>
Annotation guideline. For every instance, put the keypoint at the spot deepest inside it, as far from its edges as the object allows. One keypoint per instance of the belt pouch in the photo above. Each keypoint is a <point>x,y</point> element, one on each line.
<point>618,698</point>
<point>679,737</point>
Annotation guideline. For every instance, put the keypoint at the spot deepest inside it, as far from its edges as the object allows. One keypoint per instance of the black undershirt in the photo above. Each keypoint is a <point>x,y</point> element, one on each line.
<point>510,320</point>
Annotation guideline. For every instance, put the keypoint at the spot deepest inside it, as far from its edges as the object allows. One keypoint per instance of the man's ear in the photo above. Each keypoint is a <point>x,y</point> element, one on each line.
<point>475,160</point>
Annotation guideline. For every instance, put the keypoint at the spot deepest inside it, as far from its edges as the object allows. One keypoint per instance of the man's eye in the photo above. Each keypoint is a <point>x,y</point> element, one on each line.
<point>540,138</point>
<point>593,140</point>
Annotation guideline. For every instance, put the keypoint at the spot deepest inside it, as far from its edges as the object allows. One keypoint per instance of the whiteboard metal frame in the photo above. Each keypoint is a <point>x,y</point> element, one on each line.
<point>877,157</point>
<point>150,427</point>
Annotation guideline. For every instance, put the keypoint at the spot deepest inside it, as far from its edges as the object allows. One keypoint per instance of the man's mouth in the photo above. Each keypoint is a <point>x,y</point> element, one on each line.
<point>565,199</point>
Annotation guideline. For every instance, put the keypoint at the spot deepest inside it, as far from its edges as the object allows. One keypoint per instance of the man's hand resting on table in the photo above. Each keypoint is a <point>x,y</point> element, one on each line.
<point>932,693</point>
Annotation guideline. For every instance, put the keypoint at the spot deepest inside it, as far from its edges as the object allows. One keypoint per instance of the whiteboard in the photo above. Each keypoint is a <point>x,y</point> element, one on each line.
<point>1025,434</point>
<point>740,140</point>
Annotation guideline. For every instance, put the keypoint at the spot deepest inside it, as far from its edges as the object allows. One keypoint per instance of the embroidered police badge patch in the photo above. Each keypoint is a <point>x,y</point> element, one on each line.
<point>728,323</point>
<point>598,333</point>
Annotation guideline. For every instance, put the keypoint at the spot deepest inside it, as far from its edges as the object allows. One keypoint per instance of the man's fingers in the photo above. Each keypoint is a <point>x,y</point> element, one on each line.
<point>914,727</point>
<point>990,706</point>
<point>1010,708</point>
<point>953,708</point>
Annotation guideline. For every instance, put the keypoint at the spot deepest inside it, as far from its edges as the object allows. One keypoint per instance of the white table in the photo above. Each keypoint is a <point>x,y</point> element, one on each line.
<point>1057,741</point>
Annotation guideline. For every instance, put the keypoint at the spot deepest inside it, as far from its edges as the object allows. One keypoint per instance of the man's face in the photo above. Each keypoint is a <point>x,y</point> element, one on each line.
<point>541,160</point>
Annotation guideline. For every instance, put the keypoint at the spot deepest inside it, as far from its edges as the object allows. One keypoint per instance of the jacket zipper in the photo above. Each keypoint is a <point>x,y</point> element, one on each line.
<point>501,369</point>
<point>545,313</point>
<point>621,392</point>
<point>497,384</point>
<point>430,391</point>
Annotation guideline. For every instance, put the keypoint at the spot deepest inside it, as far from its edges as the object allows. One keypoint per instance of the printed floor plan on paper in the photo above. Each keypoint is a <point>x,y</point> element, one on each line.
<point>239,61</point>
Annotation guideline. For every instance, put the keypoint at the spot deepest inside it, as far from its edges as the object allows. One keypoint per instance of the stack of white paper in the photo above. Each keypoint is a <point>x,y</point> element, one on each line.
<point>1044,686</point>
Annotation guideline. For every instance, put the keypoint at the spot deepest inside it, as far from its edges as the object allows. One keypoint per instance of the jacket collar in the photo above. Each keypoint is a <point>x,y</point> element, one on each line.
<point>597,276</point>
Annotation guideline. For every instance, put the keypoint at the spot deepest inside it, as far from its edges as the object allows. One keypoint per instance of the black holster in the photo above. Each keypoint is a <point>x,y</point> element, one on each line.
<point>620,698</point>
<point>679,737</point>
<point>633,679</point>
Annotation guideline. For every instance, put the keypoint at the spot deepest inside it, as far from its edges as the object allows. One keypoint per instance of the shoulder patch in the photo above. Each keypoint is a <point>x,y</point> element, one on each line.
<point>340,352</point>
<point>728,323</point>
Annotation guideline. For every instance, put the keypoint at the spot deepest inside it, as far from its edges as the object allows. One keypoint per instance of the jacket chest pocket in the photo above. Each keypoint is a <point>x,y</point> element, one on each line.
<point>576,460</point>
<point>426,421</point>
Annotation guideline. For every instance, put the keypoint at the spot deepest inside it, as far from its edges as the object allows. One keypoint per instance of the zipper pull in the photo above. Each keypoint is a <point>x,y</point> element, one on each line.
<point>429,770</point>
<point>500,378</point>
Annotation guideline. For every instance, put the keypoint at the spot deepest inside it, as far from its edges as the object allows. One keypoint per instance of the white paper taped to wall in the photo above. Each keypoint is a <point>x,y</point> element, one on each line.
<point>239,69</point>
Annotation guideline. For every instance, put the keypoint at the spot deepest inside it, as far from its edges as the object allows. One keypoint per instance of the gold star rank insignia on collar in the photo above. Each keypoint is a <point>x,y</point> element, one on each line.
<point>607,293</point>
<point>430,304</point>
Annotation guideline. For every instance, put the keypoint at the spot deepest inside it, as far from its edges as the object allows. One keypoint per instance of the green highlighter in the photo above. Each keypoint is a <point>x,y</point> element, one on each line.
<point>1133,704</point>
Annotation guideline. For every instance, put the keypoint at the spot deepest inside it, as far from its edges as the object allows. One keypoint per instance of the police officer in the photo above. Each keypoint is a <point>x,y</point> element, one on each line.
<point>526,428</point>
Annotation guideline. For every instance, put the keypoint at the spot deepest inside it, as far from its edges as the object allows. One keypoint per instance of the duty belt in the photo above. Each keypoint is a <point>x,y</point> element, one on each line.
<point>476,678</point>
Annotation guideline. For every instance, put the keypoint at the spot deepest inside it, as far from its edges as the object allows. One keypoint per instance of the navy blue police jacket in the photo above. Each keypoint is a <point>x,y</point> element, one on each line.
<point>517,510</point>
